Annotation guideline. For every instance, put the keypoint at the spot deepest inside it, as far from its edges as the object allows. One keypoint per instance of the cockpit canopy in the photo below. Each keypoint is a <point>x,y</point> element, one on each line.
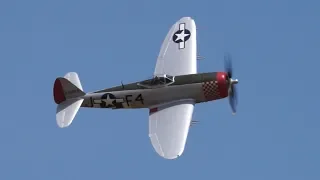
<point>157,81</point>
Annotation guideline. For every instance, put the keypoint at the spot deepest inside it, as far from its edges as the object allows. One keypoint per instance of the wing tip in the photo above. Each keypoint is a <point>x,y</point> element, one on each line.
<point>172,157</point>
<point>186,18</point>
<point>166,155</point>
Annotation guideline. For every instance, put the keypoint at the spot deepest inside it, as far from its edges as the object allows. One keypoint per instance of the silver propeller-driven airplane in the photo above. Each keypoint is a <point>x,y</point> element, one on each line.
<point>170,95</point>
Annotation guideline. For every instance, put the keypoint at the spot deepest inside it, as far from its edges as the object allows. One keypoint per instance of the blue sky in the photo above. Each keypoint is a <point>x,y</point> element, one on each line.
<point>275,46</point>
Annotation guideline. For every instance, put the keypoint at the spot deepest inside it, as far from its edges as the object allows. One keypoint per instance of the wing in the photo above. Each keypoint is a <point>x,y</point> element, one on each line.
<point>178,53</point>
<point>169,126</point>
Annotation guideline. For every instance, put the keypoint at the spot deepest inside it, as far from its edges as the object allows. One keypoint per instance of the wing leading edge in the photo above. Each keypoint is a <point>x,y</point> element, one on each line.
<point>178,53</point>
<point>169,126</point>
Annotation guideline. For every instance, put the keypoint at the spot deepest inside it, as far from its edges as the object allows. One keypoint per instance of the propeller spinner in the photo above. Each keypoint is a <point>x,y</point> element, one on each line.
<point>232,90</point>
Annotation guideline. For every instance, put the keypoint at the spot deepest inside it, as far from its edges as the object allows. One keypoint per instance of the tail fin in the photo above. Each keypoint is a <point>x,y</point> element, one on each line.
<point>67,87</point>
<point>67,93</point>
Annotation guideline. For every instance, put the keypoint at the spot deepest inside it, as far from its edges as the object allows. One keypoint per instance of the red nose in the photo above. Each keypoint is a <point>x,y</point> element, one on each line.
<point>222,78</point>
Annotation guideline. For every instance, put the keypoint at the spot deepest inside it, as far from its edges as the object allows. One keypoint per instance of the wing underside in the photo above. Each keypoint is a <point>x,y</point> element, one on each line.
<point>178,53</point>
<point>169,126</point>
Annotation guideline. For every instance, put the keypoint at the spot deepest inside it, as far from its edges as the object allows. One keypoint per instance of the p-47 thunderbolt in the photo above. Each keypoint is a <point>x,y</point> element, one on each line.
<point>170,95</point>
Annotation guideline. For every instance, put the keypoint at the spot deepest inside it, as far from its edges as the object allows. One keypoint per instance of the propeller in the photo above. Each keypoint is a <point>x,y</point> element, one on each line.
<point>232,90</point>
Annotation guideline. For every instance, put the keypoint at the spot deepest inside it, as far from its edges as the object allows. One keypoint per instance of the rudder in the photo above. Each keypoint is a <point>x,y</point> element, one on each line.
<point>67,87</point>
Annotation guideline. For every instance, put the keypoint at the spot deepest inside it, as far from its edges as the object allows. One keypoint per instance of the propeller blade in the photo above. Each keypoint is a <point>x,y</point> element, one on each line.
<point>235,91</point>
<point>233,96</point>
<point>233,99</point>
<point>228,64</point>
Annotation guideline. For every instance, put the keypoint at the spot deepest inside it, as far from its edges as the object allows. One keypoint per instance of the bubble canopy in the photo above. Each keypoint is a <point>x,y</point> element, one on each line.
<point>157,81</point>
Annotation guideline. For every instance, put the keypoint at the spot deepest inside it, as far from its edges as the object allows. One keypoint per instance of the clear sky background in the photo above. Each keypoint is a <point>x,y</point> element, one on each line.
<point>275,46</point>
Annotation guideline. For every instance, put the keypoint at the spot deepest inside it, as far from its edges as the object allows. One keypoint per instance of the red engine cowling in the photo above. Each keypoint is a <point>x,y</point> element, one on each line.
<point>222,80</point>
<point>217,88</point>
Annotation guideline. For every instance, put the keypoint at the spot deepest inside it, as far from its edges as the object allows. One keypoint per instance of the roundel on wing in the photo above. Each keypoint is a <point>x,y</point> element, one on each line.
<point>181,36</point>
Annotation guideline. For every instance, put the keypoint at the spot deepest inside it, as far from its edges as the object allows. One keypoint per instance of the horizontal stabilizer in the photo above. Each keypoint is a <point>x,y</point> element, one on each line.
<point>74,79</point>
<point>66,111</point>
